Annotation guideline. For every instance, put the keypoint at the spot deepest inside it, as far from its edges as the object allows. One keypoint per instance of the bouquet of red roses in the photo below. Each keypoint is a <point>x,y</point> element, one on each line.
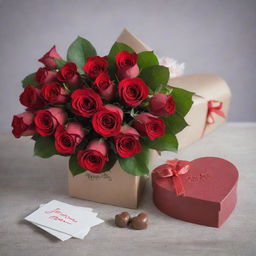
<point>98,110</point>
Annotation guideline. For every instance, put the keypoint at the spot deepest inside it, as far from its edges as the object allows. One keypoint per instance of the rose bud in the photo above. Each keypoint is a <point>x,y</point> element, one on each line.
<point>105,86</point>
<point>149,125</point>
<point>48,58</point>
<point>54,93</point>
<point>31,97</point>
<point>69,74</point>
<point>47,120</point>
<point>127,142</point>
<point>132,91</point>
<point>68,137</point>
<point>95,65</point>
<point>45,76</point>
<point>127,65</point>
<point>93,158</point>
<point>107,122</point>
<point>162,105</point>
<point>86,102</point>
<point>23,124</point>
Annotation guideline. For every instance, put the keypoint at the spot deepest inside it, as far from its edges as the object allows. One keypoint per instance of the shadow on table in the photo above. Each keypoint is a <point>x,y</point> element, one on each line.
<point>37,230</point>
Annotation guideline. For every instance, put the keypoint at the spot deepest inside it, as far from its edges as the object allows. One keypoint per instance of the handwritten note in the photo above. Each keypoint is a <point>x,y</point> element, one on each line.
<point>65,218</point>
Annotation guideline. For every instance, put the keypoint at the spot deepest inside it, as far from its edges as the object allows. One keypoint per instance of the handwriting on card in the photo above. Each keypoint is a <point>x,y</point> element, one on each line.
<point>58,215</point>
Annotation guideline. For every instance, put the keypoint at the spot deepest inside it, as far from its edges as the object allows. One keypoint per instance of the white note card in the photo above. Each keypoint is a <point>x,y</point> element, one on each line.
<point>64,220</point>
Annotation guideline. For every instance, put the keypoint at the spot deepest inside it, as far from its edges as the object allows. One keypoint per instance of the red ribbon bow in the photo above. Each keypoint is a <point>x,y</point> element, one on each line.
<point>214,106</point>
<point>174,169</point>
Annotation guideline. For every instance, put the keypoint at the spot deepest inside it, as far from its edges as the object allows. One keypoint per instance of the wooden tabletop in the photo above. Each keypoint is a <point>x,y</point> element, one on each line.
<point>28,181</point>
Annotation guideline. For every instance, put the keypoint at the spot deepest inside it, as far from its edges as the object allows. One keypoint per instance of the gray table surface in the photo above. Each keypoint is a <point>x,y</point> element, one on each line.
<point>27,181</point>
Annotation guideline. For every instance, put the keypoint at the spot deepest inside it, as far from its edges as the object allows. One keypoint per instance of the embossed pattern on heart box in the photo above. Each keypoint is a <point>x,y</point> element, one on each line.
<point>210,192</point>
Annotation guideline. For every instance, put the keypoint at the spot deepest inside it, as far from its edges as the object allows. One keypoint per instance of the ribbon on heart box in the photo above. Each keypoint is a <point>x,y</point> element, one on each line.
<point>209,89</point>
<point>202,191</point>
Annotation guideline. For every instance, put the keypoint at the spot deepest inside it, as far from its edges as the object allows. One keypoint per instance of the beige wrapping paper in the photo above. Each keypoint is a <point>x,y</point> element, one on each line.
<point>206,87</point>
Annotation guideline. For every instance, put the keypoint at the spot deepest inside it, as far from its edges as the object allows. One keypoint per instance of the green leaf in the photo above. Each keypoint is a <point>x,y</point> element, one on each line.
<point>115,49</point>
<point>112,160</point>
<point>155,76</point>
<point>35,137</point>
<point>44,147</point>
<point>29,80</point>
<point>138,164</point>
<point>147,59</point>
<point>79,51</point>
<point>59,63</point>
<point>174,123</point>
<point>183,100</point>
<point>74,167</point>
<point>168,142</point>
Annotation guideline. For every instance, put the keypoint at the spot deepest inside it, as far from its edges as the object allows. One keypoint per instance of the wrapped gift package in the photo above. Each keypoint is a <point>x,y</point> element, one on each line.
<point>202,191</point>
<point>208,89</point>
<point>211,98</point>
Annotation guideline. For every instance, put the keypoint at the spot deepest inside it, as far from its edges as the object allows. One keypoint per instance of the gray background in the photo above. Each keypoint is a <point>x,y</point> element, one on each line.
<point>210,36</point>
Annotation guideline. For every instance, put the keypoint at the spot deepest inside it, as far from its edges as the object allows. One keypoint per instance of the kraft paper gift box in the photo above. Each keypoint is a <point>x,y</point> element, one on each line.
<point>115,187</point>
<point>207,88</point>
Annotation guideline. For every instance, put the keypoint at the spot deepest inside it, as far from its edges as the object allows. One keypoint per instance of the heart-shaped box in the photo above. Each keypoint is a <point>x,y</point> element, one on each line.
<point>210,192</point>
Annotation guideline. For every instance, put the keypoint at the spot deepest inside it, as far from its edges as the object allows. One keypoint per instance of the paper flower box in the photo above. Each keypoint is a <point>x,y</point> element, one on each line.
<point>207,88</point>
<point>114,187</point>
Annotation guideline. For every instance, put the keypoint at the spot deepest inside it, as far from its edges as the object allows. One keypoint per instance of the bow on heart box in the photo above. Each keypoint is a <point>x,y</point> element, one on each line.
<point>202,191</point>
<point>211,98</point>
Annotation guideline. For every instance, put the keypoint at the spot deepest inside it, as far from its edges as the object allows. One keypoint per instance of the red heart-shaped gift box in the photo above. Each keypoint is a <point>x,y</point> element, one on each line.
<point>210,192</point>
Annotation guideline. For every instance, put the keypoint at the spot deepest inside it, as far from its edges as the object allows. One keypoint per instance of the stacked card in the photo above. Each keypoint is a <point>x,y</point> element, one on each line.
<point>64,220</point>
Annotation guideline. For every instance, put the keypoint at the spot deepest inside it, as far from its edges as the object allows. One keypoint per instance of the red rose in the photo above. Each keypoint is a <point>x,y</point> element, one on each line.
<point>47,120</point>
<point>45,76</point>
<point>127,65</point>
<point>149,125</point>
<point>86,102</point>
<point>93,158</point>
<point>48,58</point>
<point>127,142</point>
<point>68,137</point>
<point>132,91</point>
<point>69,74</point>
<point>31,97</point>
<point>162,105</point>
<point>105,86</point>
<point>23,124</point>
<point>54,93</point>
<point>95,65</point>
<point>107,122</point>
